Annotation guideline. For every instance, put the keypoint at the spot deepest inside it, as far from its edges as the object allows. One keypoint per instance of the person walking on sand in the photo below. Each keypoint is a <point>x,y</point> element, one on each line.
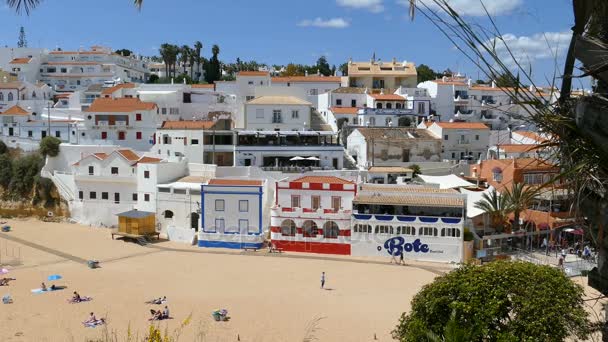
<point>323,280</point>
<point>401,262</point>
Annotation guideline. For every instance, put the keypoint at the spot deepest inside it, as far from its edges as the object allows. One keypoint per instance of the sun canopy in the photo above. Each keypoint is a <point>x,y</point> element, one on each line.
<point>445,182</point>
<point>472,198</point>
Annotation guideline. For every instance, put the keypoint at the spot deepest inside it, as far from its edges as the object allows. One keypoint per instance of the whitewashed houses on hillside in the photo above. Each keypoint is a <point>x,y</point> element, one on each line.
<point>460,140</point>
<point>279,113</point>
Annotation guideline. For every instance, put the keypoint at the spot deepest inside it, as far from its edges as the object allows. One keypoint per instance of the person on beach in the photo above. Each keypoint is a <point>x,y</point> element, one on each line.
<point>165,314</point>
<point>323,280</point>
<point>76,297</point>
<point>401,261</point>
<point>92,319</point>
<point>43,287</point>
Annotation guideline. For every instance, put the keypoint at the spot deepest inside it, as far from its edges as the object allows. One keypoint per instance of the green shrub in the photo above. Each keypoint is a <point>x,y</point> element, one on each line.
<point>49,146</point>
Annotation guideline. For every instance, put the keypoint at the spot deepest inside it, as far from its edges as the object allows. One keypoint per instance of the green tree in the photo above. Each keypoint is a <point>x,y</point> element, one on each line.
<point>323,66</point>
<point>499,301</point>
<point>416,170</point>
<point>213,71</point>
<point>3,147</point>
<point>343,69</point>
<point>124,52</point>
<point>198,47</point>
<point>294,70</point>
<point>26,172</point>
<point>184,55</point>
<point>506,80</point>
<point>153,78</point>
<point>22,43</point>
<point>497,208</point>
<point>49,146</point>
<point>425,73</point>
<point>6,170</point>
<point>519,198</point>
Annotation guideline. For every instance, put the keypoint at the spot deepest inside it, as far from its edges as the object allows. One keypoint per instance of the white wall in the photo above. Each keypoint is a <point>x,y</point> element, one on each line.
<point>289,123</point>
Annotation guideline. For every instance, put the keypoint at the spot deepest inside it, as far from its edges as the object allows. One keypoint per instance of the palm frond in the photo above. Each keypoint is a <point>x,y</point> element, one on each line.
<point>21,6</point>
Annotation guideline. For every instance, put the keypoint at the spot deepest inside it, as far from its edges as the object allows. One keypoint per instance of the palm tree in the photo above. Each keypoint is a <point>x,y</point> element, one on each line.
<point>520,198</point>
<point>164,53</point>
<point>173,52</point>
<point>184,52</point>
<point>192,60</point>
<point>28,5</point>
<point>497,208</point>
<point>198,46</point>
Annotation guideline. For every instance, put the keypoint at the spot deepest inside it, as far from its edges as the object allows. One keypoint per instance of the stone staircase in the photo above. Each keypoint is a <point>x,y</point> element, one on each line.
<point>317,123</point>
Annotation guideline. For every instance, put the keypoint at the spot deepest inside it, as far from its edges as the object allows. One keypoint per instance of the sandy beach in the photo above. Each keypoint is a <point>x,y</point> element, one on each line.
<point>269,297</point>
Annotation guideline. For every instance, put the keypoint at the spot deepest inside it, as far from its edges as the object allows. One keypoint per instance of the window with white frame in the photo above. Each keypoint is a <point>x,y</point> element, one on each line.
<point>243,225</point>
<point>534,178</point>
<point>243,206</point>
<point>295,114</point>
<point>406,230</point>
<point>174,111</point>
<point>259,113</point>
<point>421,108</point>
<point>295,201</point>
<point>427,231</point>
<point>497,175</point>
<point>336,202</point>
<point>276,116</point>
<point>450,232</point>
<point>219,225</point>
<point>219,205</point>
<point>315,202</point>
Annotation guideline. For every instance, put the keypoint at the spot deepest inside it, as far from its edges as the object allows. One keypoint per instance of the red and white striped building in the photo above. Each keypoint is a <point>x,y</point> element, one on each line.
<point>313,214</point>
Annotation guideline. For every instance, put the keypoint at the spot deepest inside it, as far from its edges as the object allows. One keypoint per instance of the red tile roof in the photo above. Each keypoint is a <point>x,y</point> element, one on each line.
<point>531,135</point>
<point>311,79</point>
<point>235,182</point>
<point>344,110</point>
<point>128,155</point>
<point>253,73</point>
<point>24,60</point>
<point>149,160</point>
<point>462,125</point>
<point>322,179</point>
<point>15,110</point>
<point>12,85</point>
<point>518,148</point>
<point>387,97</point>
<point>205,86</point>
<point>100,156</point>
<point>121,105</point>
<point>109,91</point>
<point>188,124</point>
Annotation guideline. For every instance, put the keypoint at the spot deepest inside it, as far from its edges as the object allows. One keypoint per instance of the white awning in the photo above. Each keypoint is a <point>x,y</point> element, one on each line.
<point>472,198</point>
<point>446,182</point>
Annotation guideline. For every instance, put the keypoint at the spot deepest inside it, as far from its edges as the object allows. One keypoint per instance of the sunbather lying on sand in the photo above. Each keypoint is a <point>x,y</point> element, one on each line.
<point>158,315</point>
<point>76,298</point>
<point>5,281</point>
<point>93,321</point>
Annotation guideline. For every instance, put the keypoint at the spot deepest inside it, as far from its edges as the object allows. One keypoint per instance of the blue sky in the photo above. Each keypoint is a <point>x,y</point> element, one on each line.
<point>279,32</point>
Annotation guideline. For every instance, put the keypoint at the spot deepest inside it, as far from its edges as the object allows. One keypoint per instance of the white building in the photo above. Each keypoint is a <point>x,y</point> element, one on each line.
<point>280,113</point>
<point>126,122</point>
<point>77,70</point>
<point>392,146</point>
<point>107,184</point>
<point>232,214</point>
<point>209,142</point>
<point>461,140</point>
<point>313,214</point>
<point>419,223</point>
<point>289,150</point>
<point>23,63</point>
<point>459,99</point>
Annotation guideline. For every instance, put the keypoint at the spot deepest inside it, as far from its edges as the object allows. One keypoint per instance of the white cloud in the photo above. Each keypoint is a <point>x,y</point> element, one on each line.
<point>325,23</point>
<point>374,6</point>
<point>528,49</point>
<point>474,8</point>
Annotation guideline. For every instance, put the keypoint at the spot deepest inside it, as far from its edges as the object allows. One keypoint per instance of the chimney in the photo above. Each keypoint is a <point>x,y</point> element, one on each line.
<point>184,80</point>
<point>366,91</point>
<point>470,82</point>
<point>493,84</point>
<point>171,80</point>
<point>474,173</point>
<point>381,91</point>
<point>444,79</point>
<point>318,72</point>
<point>305,72</point>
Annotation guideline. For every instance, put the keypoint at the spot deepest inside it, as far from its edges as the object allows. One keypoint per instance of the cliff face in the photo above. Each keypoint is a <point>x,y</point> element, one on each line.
<point>44,204</point>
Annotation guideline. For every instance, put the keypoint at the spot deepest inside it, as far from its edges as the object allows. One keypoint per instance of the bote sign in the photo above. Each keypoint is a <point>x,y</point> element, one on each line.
<point>397,246</point>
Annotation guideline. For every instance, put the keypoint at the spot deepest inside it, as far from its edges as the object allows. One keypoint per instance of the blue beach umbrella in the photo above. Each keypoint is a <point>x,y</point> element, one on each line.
<point>54,277</point>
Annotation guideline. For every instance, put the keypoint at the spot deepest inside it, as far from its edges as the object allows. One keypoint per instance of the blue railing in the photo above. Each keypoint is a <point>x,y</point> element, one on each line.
<point>424,219</point>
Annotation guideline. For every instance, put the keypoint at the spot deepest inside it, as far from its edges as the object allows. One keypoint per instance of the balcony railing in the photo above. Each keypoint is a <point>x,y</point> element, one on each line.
<point>313,211</point>
<point>408,218</point>
<point>464,141</point>
<point>121,123</point>
<point>103,123</point>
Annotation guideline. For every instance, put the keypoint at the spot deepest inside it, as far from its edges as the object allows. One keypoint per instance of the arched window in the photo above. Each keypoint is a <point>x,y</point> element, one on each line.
<point>450,232</point>
<point>389,105</point>
<point>427,231</point>
<point>331,230</point>
<point>309,229</point>
<point>194,220</point>
<point>379,105</point>
<point>10,96</point>
<point>168,214</point>
<point>384,229</point>
<point>288,228</point>
<point>398,105</point>
<point>406,230</point>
